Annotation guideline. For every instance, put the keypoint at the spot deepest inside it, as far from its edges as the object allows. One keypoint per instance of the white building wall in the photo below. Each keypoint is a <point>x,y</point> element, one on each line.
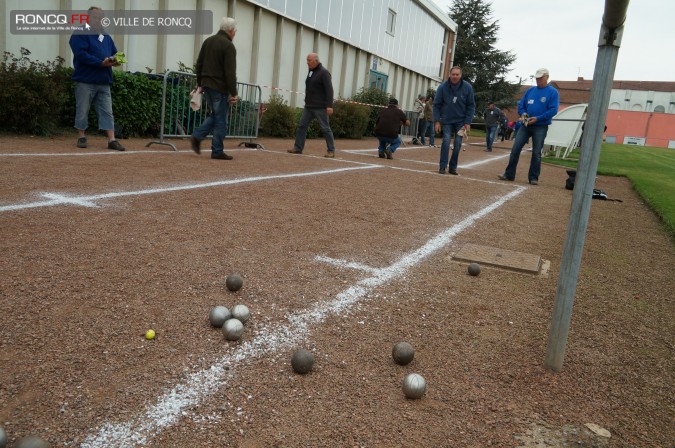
<point>416,44</point>
<point>641,100</point>
<point>286,58</point>
<point>268,32</point>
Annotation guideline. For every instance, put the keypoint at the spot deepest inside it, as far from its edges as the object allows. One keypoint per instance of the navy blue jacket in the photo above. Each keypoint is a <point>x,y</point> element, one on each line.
<point>454,104</point>
<point>88,55</point>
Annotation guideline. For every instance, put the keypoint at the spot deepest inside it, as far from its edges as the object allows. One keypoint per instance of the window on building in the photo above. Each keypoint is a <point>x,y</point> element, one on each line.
<point>659,109</point>
<point>391,22</point>
<point>378,80</point>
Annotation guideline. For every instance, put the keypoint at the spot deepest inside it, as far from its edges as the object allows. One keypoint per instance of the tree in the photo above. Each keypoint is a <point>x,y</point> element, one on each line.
<point>484,66</point>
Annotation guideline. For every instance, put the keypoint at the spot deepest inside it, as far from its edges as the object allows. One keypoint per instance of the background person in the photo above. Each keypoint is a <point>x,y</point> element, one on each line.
<point>217,76</point>
<point>454,106</point>
<point>537,108</point>
<point>387,128</point>
<point>318,104</point>
<point>493,117</point>
<point>93,59</point>
<point>429,121</point>
<point>419,110</point>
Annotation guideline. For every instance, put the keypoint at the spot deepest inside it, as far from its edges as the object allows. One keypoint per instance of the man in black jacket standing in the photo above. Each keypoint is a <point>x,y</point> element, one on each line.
<point>217,77</point>
<point>318,104</point>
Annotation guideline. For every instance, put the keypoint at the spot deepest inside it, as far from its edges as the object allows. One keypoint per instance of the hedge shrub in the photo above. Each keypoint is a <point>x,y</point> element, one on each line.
<point>349,120</point>
<point>33,93</point>
<point>371,96</point>
<point>278,119</point>
<point>39,98</point>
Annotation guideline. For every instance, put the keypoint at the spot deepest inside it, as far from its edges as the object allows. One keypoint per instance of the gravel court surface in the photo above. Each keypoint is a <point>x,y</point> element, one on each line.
<point>97,278</point>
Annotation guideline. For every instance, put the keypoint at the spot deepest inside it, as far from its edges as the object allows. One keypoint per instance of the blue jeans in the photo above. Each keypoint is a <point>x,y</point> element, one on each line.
<point>307,115</point>
<point>392,142</point>
<point>490,133</point>
<point>428,126</point>
<point>216,123</point>
<point>448,130</point>
<point>538,134</point>
<point>99,96</point>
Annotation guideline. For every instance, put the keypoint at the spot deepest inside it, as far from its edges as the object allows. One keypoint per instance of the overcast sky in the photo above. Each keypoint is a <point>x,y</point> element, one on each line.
<point>562,35</point>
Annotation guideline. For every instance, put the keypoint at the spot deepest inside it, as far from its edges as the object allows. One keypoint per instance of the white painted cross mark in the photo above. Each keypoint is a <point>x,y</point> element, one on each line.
<point>90,201</point>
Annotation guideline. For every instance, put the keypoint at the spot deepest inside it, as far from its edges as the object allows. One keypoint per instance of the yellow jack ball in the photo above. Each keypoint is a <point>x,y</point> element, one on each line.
<point>150,334</point>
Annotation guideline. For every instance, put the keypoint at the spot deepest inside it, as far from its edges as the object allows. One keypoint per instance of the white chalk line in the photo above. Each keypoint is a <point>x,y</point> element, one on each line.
<point>171,405</point>
<point>346,264</point>
<point>461,166</point>
<point>90,201</point>
<point>108,153</point>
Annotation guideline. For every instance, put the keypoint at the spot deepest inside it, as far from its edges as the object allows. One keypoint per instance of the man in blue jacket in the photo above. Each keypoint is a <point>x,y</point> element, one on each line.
<point>536,109</point>
<point>454,107</point>
<point>93,59</point>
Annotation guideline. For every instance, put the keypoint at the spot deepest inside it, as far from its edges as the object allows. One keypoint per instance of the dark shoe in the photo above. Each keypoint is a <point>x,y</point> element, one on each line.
<point>294,151</point>
<point>82,142</point>
<point>221,156</point>
<point>330,154</point>
<point>117,146</point>
<point>502,177</point>
<point>381,155</point>
<point>453,172</point>
<point>487,150</point>
<point>441,171</point>
<point>534,182</point>
<point>387,152</point>
<point>196,144</point>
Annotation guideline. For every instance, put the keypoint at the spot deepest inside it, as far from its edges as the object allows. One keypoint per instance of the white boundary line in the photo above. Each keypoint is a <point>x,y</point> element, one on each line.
<point>108,153</point>
<point>90,201</point>
<point>462,166</point>
<point>171,405</point>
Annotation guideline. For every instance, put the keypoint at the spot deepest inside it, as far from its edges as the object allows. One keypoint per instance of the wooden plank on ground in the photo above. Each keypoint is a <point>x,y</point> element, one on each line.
<point>502,258</point>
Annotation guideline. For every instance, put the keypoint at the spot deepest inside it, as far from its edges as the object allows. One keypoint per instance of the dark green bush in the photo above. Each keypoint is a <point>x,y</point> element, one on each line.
<point>137,103</point>
<point>39,98</point>
<point>278,119</point>
<point>371,96</point>
<point>349,120</point>
<point>32,93</point>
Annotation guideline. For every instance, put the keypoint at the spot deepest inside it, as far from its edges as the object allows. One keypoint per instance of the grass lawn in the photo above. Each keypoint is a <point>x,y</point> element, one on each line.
<point>651,170</point>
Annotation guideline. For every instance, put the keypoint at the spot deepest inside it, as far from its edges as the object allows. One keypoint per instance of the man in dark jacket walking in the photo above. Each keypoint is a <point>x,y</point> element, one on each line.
<point>217,76</point>
<point>494,118</point>
<point>318,104</point>
<point>454,107</point>
<point>387,128</point>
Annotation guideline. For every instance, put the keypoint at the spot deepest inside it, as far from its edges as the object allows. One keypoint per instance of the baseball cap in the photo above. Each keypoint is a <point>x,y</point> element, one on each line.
<point>541,72</point>
<point>393,101</point>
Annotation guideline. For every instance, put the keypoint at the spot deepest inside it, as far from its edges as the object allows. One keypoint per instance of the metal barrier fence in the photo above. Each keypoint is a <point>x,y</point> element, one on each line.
<point>179,120</point>
<point>410,131</point>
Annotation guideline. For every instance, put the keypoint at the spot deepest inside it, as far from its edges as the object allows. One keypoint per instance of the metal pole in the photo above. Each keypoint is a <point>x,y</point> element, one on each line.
<point>605,64</point>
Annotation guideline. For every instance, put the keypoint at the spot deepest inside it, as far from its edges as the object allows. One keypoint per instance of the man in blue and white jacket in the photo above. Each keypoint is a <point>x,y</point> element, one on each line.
<point>93,59</point>
<point>454,106</point>
<point>537,108</point>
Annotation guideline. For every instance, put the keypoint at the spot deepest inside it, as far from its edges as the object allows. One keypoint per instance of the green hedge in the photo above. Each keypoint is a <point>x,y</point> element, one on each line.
<point>33,94</point>
<point>278,120</point>
<point>38,98</point>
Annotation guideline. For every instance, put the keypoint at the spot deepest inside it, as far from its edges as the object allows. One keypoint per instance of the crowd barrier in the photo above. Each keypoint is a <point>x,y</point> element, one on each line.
<point>410,132</point>
<point>179,120</point>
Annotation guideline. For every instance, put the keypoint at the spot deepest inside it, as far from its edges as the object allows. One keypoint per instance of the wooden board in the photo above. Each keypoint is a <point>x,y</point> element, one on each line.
<point>502,258</point>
